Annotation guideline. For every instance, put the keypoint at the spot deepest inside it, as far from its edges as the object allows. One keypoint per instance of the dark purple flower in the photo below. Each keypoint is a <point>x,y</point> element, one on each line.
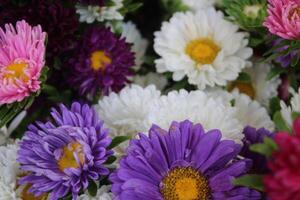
<point>92,2</point>
<point>62,156</point>
<point>183,163</point>
<point>284,60</point>
<point>58,21</point>
<point>254,136</point>
<point>102,63</point>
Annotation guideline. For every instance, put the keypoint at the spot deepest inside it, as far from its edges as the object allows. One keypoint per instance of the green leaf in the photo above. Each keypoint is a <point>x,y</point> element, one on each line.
<point>110,160</point>
<point>252,181</point>
<point>92,189</point>
<point>295,115</point>
<point>280,123</point>
<point>267,148</point>
<point>118,140</point>
<point>274,105</point>
<point>274,72</point>
<point>244,78</point>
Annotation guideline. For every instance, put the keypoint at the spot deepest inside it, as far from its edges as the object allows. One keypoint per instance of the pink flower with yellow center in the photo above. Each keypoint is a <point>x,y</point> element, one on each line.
<point>22,51</point>
<point>284,18</point>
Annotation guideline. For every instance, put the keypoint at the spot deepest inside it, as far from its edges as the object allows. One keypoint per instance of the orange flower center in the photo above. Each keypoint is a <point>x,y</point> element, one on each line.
<point>185,184</point>
<point>203,51</point>
<point>245,88</point>
<point>294,11</point>
<point>17,71</point>
<point>72,156</point>
<point>28,196</point>
<point>99,60</point>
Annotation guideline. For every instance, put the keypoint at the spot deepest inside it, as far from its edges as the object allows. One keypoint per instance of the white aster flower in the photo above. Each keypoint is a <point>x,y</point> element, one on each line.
<point>249,112</point>
<point>102,194</point>
<point>5,132</point>
<point>90,13</point>
<point>151,78</point>
<point>287,111</point>
<point>139,44</point>
<point>202,46</point>
<point>124,113</point>
<point>199,4</point>
<point>9,169</point>
<point>260,88</point>
<point>197,107</point>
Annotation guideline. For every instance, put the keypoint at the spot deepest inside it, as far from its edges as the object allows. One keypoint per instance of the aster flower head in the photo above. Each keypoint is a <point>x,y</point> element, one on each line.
<point>181,163</point>
<point>92,10</point>
<point>255,136</point>
<point>64,155</point>
<point>102,63</point>
<point>282,183</point>
<point>283,18</point>
<point>249,14</point>
<point>22,51</point>
<point>207,55</point>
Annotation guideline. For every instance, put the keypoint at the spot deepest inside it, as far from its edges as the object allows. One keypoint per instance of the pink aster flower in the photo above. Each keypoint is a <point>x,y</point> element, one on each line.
<point>284,18</point>
<point>22,51</point>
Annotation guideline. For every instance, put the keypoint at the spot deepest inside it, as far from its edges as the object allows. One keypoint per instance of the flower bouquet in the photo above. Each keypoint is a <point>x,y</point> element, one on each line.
<point>149,99</point>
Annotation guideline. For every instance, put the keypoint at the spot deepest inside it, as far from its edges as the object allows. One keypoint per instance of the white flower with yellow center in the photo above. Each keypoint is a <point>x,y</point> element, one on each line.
<point>102,194</point>
<point>287,111</point>
<point>202,46</point>
<point>197,107</point>
<point>249,112</point>
<point>199,4</point>
<point>259,88</point>
<point>89,13</point>
<point>160,81</point>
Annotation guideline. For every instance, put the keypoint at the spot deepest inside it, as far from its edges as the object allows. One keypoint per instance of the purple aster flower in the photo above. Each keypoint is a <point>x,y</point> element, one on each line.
<point>284,60</point>
<point>102,63</point>
<point>62,156</point>
<point>184,163</point>
<point>254,136</point>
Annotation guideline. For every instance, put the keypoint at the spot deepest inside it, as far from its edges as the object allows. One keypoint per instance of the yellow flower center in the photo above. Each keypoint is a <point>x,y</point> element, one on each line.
<point>70,153</point>
<point>99,60</point>
<point>25,195</point>
<point>203,51</point>
<point>245,88</point>
<point>252,10</point>
<point>185,184</point>
<point>16,70</point>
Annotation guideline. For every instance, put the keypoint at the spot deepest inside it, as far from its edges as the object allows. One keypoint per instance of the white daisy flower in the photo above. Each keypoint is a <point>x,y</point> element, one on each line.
<point>9,169</point>
<point>90,13</point>
<point>202,46</point>
<point>133,36</point>
<point>5,132</point>
<point>287,111</point>
<point>197,107</point>
<point>160,81</point>
<point>102,194</point>
<point>124,113</point>
<point>198,4</point>
<point>249,112</point>
<point>260,88</point>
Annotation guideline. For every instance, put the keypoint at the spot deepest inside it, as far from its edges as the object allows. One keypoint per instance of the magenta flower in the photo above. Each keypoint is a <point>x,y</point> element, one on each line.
<point>22,51</point>
<point>284,18</point>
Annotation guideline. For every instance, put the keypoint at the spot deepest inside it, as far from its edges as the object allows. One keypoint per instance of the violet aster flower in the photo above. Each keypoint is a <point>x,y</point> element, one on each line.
<point>62,156</point>
<point>254,136</point>
<point>102,63</point>
<point>183,163</point>
<point>284,60</point>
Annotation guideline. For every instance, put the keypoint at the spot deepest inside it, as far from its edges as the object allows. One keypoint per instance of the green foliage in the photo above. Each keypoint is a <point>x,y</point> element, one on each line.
<point>92,188</point>
<point>249,14</point>
<point>266,148</point>
<point>274,72</point>
<point>130,6</point>
<point>274,105</point>
<point>252,181</point>
<point>173,6</point>
<point>118,140</point>
<point>244,78</point>
<point>280,123</point>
